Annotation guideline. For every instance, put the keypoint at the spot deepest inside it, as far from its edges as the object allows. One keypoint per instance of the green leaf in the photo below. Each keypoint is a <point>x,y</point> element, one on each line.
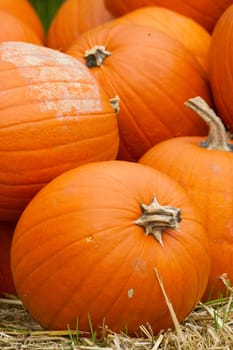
<point>46,10</point>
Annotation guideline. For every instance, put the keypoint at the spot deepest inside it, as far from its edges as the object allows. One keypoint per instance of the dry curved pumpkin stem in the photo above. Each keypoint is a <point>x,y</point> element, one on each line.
<point>157,218</point>
<point>218,136</point>
<point>96,56</point>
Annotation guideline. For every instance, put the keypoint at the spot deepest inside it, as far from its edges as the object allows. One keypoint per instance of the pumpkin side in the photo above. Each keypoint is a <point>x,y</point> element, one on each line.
<point>221,67</point>
<point>72,19</point>
<point>204,12</point>
<point>13,29</point>
<point>6,278</point>
<point>24,11</point>
<point>53,117</point>
<point>142,68</point>
<point>190,33</point>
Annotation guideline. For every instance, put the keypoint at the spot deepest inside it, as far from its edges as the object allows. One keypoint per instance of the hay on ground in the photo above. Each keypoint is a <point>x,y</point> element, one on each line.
<point>207,327</point>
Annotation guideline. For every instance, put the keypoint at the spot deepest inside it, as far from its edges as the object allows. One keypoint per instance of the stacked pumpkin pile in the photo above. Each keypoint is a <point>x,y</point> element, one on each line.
<point>109,184</point>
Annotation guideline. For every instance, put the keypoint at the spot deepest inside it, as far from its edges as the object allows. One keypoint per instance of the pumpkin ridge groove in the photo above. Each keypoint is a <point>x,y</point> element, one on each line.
<point>55,119</point>
<point>62,215</point>
<point>64,247</point>
<point>171,98</point>
<point>115,300</point>
<point>57,146</point>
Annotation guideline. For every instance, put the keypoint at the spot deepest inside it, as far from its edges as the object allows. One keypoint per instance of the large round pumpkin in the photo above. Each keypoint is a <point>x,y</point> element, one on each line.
<point>205,12</point>
<point>53,117</point>
<point>73,18</point>
<point>191,34</point>
<point>6,279</point>
<point>153,74</point>
<point>221,67</point>
<point>87,246</point>
<point>23,10</point>
<point>204,167</point>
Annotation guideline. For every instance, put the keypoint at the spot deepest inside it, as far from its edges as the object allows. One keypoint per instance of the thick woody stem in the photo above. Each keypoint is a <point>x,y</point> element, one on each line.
<point>157,218</point>
<point>218,136</point>
<point>96,56</point>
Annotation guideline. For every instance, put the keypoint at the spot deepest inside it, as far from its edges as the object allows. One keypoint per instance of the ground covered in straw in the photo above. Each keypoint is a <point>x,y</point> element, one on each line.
<point>209,326</point>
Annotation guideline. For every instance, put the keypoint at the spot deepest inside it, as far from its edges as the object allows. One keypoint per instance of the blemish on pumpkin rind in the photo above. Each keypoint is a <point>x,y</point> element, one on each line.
<point>89,238</point>
<point>56,80</point>
<point>130,293</point>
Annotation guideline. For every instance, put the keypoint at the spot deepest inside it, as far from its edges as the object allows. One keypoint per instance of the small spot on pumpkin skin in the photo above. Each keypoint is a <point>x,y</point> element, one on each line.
<point>90,238</point>
<point>130,293</point>
<point>139,266</point>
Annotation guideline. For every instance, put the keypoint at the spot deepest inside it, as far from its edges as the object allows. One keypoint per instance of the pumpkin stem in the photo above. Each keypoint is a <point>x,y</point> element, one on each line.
<point>218,136</point>
<point>96,56</point>
<point>115,103</point>
<point>157,218</point>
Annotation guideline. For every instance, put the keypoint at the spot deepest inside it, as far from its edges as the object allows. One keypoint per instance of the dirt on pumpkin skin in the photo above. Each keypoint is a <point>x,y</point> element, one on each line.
<point>207,327</point>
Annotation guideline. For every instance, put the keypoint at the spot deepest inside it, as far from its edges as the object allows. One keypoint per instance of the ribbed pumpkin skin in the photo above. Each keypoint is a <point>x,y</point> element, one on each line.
<point>153,74</point>
<point>205,12</point>
<point>53,117</point>
<point>221,67</point>
<point>6,279</point>
<point>85,255</point>
<point>13,29</point>
<point>207,176</point>
<point>191,34</point>
<point>23,10</point>
<point>73,18</point>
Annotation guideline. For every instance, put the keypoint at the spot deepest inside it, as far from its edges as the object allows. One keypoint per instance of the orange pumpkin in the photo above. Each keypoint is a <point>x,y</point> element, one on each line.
<point>6,279</point>
<point>204,168</point>
<point>92,253</point>
<point>73,18</point>
<point>53,117</point>
<point>205,12</point>
<point>221,67</point>
<point>191,34</point>
<point>149,72</point>
<point>13,29</point>
<point>23,10</point>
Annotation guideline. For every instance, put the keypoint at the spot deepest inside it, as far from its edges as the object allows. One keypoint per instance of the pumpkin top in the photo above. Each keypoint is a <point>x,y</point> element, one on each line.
<point>157,218</point>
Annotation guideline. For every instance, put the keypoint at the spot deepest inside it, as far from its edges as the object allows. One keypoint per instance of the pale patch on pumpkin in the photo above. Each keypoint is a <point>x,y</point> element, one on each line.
<point>139,266</point>
<point>26,54</point>
<point>130,293</point>
<point>55,80</point>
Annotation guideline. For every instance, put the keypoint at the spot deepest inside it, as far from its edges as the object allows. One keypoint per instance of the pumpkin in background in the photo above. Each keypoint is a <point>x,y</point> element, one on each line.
<point>153,74</point>
<point>221,67</point>
<point>205,12</point>
<point>13,29</point>
<point>204,168</point>
<point>53,117</point>
<point>6,279</point>
<point>24,11</point>
<point>88,243</point>
<point>73,18</point>
<point>191,34</point>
